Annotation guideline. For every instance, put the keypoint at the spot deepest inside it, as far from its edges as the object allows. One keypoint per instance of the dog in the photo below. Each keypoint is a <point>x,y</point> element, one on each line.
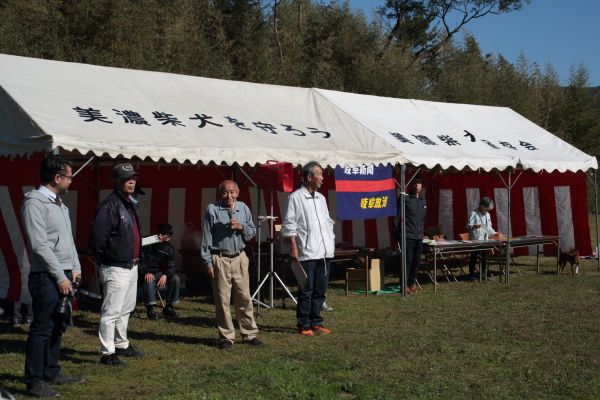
<point>572,257</point>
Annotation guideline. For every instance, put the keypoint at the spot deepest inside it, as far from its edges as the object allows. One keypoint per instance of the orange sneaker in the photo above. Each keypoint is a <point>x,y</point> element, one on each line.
<point>411,289</point>
<point>321,329</point>
<point>306,332</point>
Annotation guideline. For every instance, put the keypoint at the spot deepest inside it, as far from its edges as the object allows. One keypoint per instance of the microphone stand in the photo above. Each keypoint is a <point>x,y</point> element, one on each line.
<point>271,275</point>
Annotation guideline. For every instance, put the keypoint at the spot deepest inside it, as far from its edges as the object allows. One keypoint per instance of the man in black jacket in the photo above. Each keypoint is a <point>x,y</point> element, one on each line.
<point>116,242</point>
<point>158,272</point>
<point>416,208</point>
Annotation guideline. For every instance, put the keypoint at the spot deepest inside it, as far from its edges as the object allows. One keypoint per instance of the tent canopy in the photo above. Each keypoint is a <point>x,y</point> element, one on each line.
<point>461,135</point>
<point>130,113</point>
<point>47,104</point>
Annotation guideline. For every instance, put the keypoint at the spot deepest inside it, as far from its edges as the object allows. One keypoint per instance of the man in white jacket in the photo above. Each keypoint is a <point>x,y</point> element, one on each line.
<point>309,229</point>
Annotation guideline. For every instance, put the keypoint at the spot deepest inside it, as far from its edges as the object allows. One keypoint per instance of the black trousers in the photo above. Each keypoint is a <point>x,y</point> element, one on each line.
<point>45,333</point>
<point>414,248</point>
<point>473,258</point>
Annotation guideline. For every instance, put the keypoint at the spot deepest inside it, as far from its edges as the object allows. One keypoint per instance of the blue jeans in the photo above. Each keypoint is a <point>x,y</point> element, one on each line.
<point>172,290</point>
<point>312,295</point>
<point>45,333</point>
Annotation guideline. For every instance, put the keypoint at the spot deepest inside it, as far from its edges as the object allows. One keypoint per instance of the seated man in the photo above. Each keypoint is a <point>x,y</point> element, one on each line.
<point>158,272</point>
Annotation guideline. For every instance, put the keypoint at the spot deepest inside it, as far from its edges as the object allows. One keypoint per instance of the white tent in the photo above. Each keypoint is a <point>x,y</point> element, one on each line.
<point>47,104</point>
<point>461,135</point>
<point>120,112</point>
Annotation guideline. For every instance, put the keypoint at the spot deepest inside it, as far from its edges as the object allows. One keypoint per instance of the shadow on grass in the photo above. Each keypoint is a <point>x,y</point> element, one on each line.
<point>204,322</point>
<point>6,328</point>
<point>71,355</point>
<point>276,329</point>
<point>12,346</point>
<point>14,380</point>
<point>210,342</point>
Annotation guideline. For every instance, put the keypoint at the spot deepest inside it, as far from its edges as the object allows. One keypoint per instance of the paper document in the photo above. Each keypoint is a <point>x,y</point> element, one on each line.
<point>299,272</point>
<point>148,240</point>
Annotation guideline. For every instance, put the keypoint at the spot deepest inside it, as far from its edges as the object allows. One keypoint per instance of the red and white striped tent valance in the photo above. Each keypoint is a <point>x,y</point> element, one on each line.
<point>542,203</point>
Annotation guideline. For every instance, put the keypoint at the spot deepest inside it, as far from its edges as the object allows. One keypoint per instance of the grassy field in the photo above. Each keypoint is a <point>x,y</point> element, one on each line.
<point>537,339</point>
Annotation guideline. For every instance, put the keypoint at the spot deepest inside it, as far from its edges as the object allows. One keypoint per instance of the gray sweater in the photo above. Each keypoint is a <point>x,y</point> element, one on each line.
<point>49,238</point>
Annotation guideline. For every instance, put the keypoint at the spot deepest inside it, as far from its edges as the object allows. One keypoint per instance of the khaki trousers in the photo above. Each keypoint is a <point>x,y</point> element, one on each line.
<point>231,278</point>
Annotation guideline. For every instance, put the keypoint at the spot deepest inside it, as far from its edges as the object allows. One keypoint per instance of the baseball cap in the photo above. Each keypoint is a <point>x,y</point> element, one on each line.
<point>123,171</point>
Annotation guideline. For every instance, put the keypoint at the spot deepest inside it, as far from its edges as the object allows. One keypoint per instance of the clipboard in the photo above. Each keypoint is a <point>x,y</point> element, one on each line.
<point>299,272</point>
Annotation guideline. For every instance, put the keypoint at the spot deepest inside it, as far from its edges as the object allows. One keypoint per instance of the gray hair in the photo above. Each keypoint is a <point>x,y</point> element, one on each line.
<point>225,182</point>
<point>309,169</point>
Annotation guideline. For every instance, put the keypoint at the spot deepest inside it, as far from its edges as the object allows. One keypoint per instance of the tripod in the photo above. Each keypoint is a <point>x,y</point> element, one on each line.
<point>271,275</point>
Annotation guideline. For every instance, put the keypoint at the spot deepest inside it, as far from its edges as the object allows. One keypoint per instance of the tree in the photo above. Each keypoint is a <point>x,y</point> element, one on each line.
<point>426,26</point>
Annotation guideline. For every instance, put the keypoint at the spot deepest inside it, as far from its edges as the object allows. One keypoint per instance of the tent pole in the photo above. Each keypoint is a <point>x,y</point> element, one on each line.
<point>507,268</point>
<point>596,215</point>
<point>403,229</point>
<point>97,165</point>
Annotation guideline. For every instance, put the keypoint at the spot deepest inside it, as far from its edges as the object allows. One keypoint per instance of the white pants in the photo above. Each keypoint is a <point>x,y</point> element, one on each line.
<point>120,290</point>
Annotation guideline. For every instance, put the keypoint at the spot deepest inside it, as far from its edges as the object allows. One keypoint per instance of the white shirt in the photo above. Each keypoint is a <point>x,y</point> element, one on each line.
<point>48,193</point>
<point>485,230</point>
<point>307,218</point>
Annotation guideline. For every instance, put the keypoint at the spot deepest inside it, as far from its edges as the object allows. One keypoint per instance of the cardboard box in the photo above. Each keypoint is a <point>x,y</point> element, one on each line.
<point>356,277</point>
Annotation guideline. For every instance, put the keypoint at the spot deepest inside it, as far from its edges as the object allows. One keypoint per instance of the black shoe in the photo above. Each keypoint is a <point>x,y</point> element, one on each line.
<point>254,342</point>
<point>61,379</point>
<point>111,360</point>
<point>16,322</point>
<point>41,389</point>
<point>29,320</point>
<point>129,352</point>
<point>151,313</point>
<point>225,345</point>
<point>169,312</point>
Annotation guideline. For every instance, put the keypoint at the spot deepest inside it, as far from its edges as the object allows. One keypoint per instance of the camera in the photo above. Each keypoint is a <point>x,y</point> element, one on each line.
<point>64,303</point>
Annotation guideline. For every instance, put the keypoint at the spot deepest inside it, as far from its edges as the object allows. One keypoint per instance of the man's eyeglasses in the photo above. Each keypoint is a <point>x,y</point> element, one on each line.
<point>69,177</point>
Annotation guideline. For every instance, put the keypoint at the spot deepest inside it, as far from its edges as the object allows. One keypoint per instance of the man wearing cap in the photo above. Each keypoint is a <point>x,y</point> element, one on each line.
<point>227,227</point>
<point>158,273</point>
<point>116,242</point>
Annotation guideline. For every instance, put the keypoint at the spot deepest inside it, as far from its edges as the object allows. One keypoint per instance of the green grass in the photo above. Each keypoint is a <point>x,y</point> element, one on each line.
<point>537,339</point>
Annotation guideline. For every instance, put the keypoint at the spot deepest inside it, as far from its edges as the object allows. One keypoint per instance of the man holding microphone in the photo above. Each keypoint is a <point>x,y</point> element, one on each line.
<point>54,265</point>
<point>227,227</point>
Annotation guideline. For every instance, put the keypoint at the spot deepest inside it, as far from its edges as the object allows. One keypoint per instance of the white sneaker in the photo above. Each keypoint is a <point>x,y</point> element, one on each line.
<point>325,307</point>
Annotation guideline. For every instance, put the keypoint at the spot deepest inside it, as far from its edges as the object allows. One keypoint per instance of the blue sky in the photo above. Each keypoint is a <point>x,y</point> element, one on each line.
<point>559,32</point>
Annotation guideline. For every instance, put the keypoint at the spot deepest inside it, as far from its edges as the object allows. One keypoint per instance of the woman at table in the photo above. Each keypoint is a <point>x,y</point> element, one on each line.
<point>480,228</point>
